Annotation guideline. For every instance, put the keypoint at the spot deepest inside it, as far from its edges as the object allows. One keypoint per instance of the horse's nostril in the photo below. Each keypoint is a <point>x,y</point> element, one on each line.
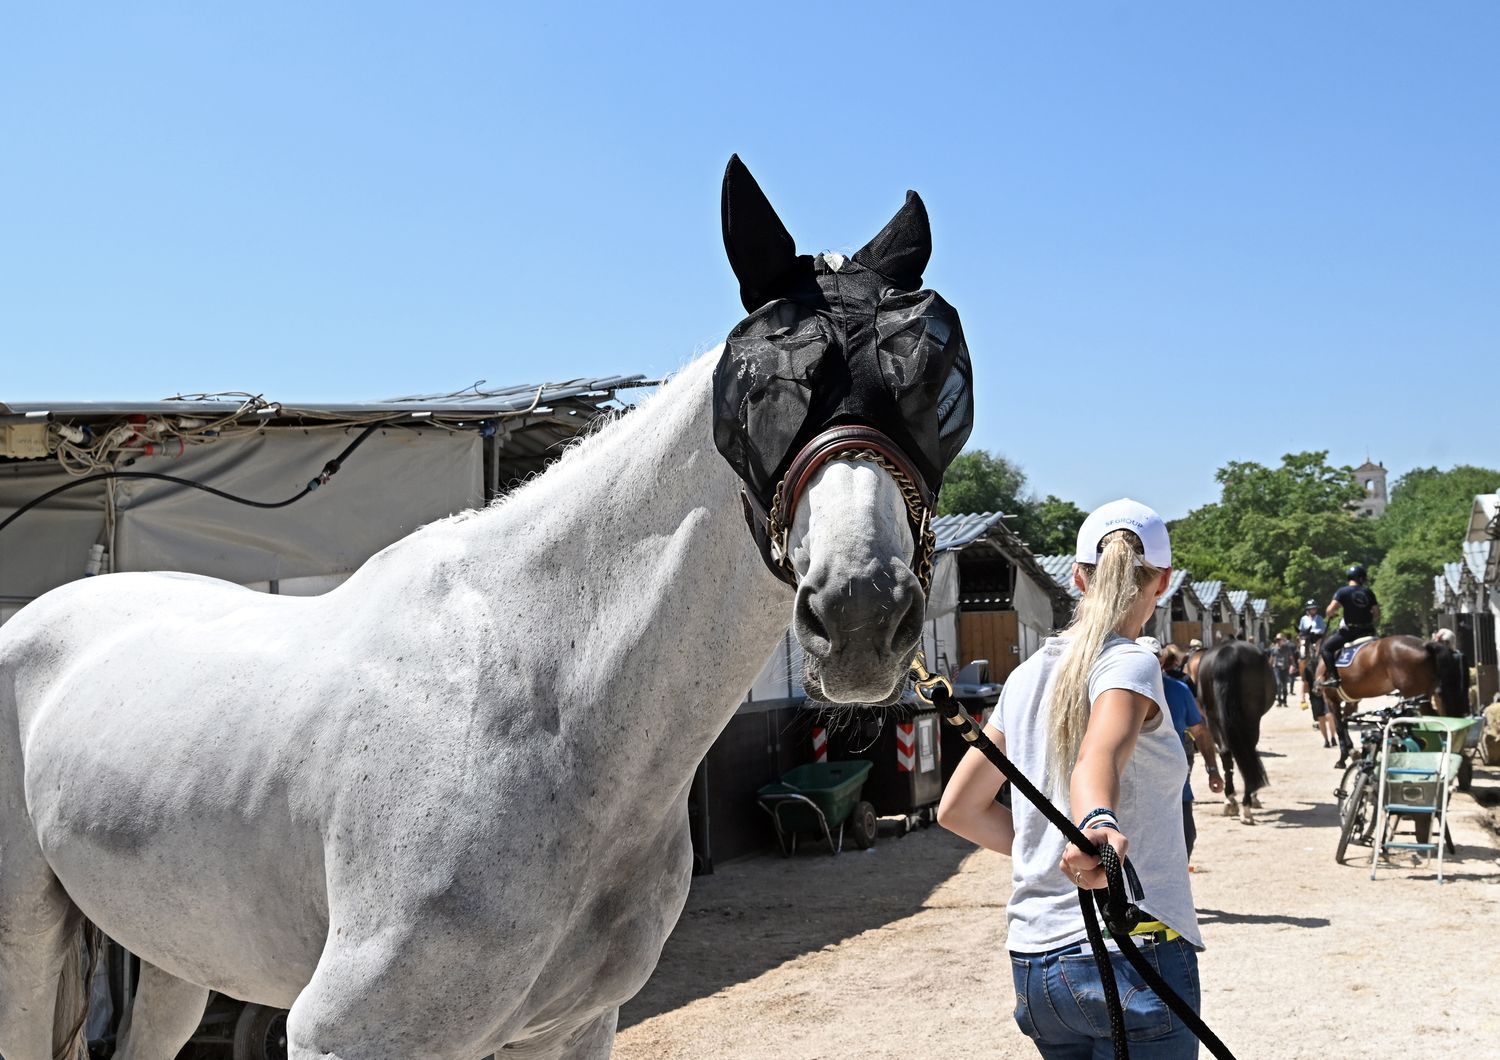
<point>881,614</point>
<point>810,628</point>
<point>908,631</point>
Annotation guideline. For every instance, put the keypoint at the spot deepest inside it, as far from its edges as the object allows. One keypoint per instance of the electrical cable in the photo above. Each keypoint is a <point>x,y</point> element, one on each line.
<point>329,470</point>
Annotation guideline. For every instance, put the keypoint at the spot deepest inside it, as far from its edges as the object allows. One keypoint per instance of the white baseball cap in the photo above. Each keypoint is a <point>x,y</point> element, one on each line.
<point>1151,644</point>
<point>1125,514</point>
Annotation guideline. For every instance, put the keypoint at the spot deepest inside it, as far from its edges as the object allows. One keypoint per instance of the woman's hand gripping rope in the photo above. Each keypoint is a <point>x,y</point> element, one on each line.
<point>1085,870</point>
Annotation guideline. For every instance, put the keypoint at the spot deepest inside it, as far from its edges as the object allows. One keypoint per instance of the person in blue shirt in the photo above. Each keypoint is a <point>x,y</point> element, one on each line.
<point>1187,719</point>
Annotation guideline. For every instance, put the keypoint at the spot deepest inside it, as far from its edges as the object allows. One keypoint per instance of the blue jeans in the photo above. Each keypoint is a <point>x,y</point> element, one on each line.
<point>1060,1002</point>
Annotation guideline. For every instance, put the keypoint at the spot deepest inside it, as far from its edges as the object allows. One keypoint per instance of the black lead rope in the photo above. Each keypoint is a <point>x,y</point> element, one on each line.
<point>1113,904</point>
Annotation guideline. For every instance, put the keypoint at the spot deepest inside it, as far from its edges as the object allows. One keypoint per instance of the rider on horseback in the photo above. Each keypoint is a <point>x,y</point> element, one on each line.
<point>1311,628</point>
<point>1361,613</point>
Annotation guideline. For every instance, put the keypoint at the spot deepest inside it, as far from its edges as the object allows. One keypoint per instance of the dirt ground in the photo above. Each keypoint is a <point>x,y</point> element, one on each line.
<point>900,951</point>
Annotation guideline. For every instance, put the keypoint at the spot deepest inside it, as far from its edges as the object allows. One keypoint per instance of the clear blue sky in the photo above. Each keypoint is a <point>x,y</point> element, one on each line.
<point>1178,234</point>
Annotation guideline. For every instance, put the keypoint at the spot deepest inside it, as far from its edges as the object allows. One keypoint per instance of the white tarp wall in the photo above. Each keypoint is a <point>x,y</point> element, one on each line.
<point>1033,614</point>
<point>940,631</point>
<point>49,545</point>
<point>395,482</point>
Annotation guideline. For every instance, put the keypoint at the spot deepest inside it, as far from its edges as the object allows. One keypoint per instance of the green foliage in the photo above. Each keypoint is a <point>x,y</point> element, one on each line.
<point>1425,494</point>
<point>1285,533</point>
<point>980,481</point>
<point>1052,526</point>
<point>1423,528</point>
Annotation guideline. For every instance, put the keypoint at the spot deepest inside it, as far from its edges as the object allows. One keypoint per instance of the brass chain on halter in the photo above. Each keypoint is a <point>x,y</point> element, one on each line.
<point>918,515</point>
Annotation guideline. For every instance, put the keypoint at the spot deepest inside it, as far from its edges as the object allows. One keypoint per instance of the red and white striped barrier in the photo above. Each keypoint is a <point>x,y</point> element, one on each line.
<point>820,745</point>
<point>906,746</point>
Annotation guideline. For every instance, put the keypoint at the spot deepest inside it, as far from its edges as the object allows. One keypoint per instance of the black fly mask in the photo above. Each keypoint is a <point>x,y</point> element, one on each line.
<point>838,359</point>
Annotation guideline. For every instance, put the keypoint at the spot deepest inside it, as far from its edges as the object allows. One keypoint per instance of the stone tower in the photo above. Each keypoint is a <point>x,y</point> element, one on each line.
<point>1371,479</point>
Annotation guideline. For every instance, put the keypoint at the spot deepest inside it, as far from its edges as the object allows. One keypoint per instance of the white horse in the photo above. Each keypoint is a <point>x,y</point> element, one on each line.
<point>441,810</point>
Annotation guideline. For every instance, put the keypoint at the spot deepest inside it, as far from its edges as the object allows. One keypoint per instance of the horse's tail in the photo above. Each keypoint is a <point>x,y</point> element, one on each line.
<point>1450,678</point>
<point>71,1010</point>
<point>1241,681</point>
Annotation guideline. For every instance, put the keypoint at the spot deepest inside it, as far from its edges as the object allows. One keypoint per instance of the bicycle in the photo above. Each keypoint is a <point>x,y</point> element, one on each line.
<point>1356,792</point>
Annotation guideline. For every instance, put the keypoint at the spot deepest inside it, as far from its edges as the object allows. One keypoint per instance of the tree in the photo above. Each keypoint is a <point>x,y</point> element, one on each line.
<point>1423,528</point>
<point>981,481</point>
<point>1051,526</point>
<point>1286,533</point>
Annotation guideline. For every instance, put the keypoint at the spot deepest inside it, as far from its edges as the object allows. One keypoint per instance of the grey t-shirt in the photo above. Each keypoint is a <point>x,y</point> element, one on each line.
<point>1043,912</point>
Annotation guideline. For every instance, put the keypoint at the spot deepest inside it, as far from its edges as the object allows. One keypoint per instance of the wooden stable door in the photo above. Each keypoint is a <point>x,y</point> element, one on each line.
<point>1182,632</point>
<point>992,635</point>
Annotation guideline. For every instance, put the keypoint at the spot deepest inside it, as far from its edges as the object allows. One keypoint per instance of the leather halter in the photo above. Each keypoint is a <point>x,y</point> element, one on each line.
<point>772,529</point>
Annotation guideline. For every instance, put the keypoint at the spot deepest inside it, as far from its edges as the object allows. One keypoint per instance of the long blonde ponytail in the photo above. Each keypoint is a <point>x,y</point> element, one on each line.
<point>1111,589</point>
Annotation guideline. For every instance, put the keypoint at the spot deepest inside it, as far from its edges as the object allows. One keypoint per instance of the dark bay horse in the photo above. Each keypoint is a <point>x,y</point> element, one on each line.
<point>1408,666</point>
<point>1236,688</point>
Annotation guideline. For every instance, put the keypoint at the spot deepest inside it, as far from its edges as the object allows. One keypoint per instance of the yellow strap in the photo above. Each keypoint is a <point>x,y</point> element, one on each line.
<point>1150,927</point>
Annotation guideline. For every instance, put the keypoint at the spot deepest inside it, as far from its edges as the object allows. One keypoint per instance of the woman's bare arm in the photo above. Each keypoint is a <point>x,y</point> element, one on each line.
<point>969,808</point>
<point>1114,723</point>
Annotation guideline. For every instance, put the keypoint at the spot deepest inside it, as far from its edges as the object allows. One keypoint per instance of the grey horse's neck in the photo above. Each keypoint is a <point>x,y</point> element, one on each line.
<point>627,576</point>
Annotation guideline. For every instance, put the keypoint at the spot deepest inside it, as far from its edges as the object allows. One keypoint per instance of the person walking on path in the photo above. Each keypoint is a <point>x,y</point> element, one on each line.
<point>1173,661</point>
<point>1187,719</point>
<point>1087,719</point>
<point>1283,660</point>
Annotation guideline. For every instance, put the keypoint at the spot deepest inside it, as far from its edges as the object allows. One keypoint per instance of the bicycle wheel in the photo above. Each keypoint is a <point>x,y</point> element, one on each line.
<point>1358,815</point>
<point>1346,788</point>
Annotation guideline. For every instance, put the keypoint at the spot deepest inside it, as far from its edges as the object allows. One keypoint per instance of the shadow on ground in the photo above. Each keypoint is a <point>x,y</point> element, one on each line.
<point>736,925</point>
<point>1305,814</point>
<point>1218,916</point>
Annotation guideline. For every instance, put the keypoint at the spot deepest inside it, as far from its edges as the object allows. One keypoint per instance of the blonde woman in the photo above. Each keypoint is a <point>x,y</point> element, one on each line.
<point>1087,720</point>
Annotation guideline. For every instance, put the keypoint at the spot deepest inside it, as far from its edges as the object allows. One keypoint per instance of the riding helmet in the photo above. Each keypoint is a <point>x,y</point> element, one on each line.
<point>1355,573</point>
<point>1311,605</point>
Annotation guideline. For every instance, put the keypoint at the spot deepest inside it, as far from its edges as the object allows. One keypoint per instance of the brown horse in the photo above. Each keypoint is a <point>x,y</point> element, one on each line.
<point>1236,689</point>
<point>1408,666</point>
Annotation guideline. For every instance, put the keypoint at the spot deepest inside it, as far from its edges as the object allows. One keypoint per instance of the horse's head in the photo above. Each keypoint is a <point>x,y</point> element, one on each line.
<point>840,401</point>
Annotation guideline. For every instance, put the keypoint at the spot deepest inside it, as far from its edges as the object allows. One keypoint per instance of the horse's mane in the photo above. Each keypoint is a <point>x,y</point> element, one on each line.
<point>607,430</point>
<point>608,433</point>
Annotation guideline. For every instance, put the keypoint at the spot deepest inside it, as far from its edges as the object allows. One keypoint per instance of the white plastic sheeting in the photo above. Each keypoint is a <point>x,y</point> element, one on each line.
<point>1033,614</point>
<point>49,545</point>
<point>395,482</point>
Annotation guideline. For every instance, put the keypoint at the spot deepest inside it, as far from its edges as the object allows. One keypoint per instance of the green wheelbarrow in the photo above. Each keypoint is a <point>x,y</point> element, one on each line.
<point>820,799</point>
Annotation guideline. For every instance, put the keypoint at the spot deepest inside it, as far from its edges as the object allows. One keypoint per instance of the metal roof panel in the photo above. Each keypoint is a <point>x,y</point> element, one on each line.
<point>1483,521</point>
<point>1208,591</point>
<point>499,402</point>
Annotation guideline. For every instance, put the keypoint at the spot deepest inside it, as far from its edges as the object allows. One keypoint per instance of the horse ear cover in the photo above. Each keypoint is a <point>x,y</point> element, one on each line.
<point>902,249</point>
<point>759,247</point>
<point>822,346</point>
